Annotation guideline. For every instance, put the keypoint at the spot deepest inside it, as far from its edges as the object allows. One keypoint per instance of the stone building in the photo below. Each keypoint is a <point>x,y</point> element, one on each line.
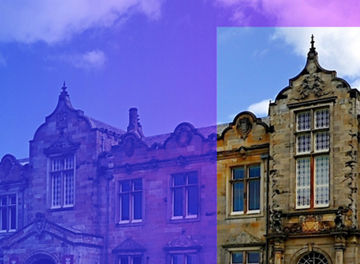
<point>306,157</point>
<point>91,193</point>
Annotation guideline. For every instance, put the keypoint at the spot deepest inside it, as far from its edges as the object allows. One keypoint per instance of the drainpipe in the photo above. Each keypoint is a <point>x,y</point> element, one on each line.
<point>108,177</point>
<point>266,156</point>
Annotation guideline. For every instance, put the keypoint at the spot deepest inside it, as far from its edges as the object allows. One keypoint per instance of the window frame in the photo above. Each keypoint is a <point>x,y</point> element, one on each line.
<point>185,254</point>
<point>245,252</point>
<point>131,192</point>
<point>130,257</point>
<point>313,154</point>
<point>185,193</point>
<point>63,187</point>
<point>8,207</point>
<point>246,180</point>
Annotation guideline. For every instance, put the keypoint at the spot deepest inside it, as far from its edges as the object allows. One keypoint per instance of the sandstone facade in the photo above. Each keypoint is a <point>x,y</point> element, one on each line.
<point>308,153</point>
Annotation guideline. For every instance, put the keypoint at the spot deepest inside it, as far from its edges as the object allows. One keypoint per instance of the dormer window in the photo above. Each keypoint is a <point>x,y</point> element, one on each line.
<point>62,178</point>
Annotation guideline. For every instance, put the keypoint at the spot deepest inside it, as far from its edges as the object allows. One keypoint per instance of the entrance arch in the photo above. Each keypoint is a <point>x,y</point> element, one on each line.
<point>40,259</point>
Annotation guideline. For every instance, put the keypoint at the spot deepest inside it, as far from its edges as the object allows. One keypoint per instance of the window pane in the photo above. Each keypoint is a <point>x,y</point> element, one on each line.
<point>303,182</point>
<point>137,184</point>
<point>4,217</point>
<point>12,210</point>
<point>192,178</point>
<point>303,121</point>
<point>254,195</point>
<point>179,179</point>
<point>137,205</point>
<point>303,143</point>
<point>125,207</point>
<point>322,141</point>
<point>125,186</point>
<point>191,259</point>
<point>177,259</point>
<point>137,260</point>
<point>254,171</point>
<point>124,260</point>
<point>322,180</point>
<point>237,257</point>
<point>193,200</point>
<point>69,188</point>
<point>322,118</point>
<point>253,258</point>
<point>178,201</point>
<point>56,189</point>
<point>12,199</point>
<point>4,200</point>
<point>238,173</point>
<point>238,196</point>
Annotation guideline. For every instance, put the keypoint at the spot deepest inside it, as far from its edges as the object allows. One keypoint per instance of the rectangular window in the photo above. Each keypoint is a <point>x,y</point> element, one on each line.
<point>130,196</point>
<point>186,258</point>
<point>245,257</point>
<point>8,210</point>
<point>130,259</point>
<point>62,175</point>
<point>185,195</point>
<point>246,189</point>
<point>312,168</point>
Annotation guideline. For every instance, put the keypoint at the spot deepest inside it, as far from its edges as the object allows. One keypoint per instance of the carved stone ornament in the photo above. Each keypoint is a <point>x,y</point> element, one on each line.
<point>244,126</point>
<point>183,241</point>
<point>276,221</point>
<point>61,120</point>
<point>243,238</point>
<point>312,84</point>
<point>183,138</point>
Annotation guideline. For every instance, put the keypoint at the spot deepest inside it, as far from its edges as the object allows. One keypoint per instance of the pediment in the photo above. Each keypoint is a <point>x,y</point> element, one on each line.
<point>242,239</point>
<point>41,229</point>
<point>183,242</point>
<point>63,145</point>
<point>129,245</point>
<point>185,134</point>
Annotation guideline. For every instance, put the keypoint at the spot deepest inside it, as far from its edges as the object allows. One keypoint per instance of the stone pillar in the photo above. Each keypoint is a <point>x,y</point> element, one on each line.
<point>339,249</point>
<point>279,248</point>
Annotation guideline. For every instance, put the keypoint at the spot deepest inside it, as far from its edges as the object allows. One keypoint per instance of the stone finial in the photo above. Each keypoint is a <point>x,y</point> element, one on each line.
<point>134,123</point>
<point>312,52</point>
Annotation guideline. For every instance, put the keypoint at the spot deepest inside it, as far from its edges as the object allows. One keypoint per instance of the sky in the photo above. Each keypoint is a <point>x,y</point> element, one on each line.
<point>170,59</point>
<point>255,63</point>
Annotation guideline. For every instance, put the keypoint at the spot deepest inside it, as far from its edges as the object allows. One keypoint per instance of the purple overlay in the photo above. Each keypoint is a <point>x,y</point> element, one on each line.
<point>93,193</point>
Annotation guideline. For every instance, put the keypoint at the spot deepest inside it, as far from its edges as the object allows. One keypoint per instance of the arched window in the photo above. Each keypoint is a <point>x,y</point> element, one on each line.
<point>313,258</point>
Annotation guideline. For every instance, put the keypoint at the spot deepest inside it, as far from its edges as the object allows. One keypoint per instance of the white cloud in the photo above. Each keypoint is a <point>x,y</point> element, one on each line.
<point>260,108</point>
<point>294,13</point>
<point>338,48</point>
<point>93,59</point>
<point>57,20</point>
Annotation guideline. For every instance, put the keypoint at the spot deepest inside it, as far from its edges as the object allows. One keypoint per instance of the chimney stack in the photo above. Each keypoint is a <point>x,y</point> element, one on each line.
<point>134,123</point>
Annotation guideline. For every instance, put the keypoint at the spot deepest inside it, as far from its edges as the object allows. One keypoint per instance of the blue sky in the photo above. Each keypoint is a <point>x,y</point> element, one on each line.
<point>255,64</point>
<point>163,57</point>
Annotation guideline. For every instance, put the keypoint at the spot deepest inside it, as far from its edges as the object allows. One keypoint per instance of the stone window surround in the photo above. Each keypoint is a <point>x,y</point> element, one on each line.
<point>313,106</point>
<point>185,216</point>
<point>245,250</point>
<point>118,202</point>
<point>16,209</point>
<point>130,257</point>
<point>49,182</point>
<point>184,252</point>
<point>229,196</point>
